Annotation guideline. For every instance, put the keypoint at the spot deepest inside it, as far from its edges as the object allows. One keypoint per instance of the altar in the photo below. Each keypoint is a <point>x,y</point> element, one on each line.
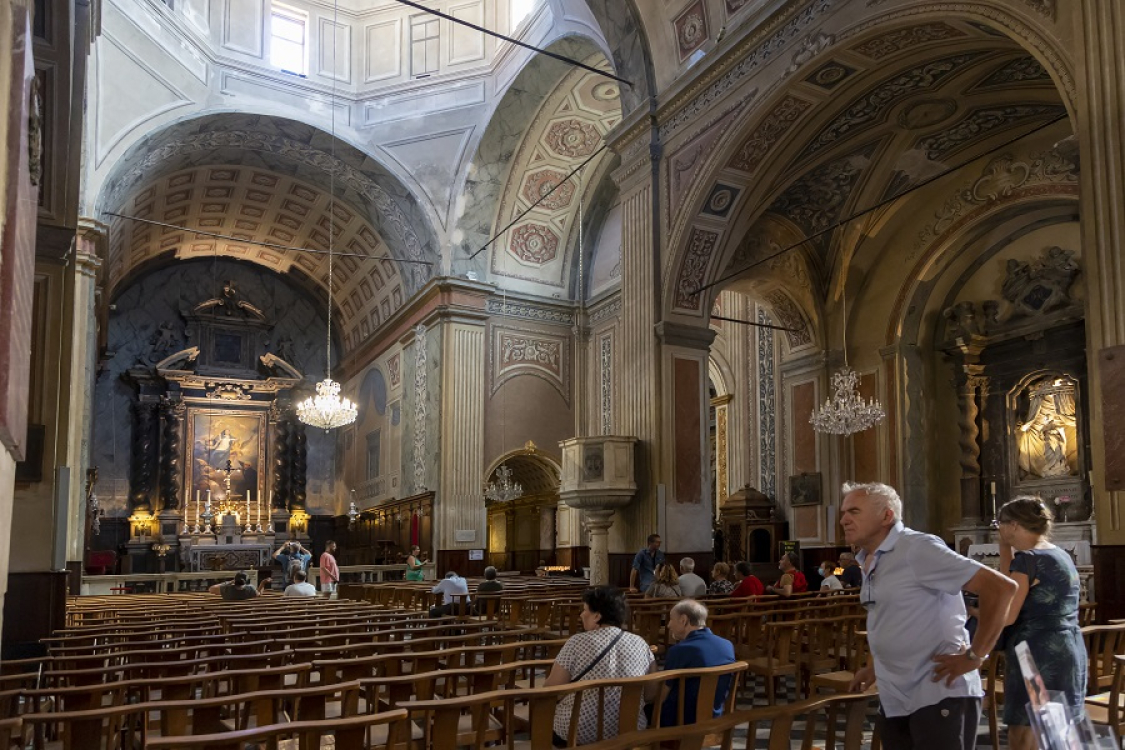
<point>228,557</point>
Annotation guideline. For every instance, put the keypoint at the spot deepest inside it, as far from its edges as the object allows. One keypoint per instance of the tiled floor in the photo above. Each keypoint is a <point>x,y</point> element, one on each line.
<point>788,694</point>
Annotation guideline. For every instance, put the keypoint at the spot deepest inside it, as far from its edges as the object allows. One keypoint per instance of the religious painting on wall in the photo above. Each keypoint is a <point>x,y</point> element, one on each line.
<point>222,441</point>
<point>804,489</point>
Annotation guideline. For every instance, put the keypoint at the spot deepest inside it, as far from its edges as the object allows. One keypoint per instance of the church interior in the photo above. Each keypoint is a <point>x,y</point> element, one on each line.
<point>522,282</point>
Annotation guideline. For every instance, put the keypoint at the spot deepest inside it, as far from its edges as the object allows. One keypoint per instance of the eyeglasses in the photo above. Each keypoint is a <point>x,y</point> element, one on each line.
<point>867,593</point>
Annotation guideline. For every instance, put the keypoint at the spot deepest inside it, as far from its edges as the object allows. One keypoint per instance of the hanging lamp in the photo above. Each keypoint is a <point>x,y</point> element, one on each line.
<point>846,412</point>
<point>328,409</point>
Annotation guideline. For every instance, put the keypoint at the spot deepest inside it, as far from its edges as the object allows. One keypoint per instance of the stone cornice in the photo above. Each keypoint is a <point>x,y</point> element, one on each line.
<point>441,296</point>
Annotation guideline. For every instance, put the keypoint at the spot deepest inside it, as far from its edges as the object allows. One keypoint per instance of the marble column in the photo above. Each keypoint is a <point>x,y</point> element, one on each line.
<point>460,516</point>
<point>636,349</point>
<point>972,389</point>
<point>81,362</point>
<point>1100,127</point>
<point>683,438</point>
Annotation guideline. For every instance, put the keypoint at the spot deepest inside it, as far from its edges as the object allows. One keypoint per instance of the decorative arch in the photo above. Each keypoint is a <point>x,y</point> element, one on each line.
<point>266,178</point>
<point>798,103</point>
<point>537,472</point>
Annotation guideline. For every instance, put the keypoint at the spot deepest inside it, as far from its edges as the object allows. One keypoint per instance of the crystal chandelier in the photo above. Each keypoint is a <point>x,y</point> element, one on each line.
<point>846,412</point>
<point>327,409</point>
<point>505,490</point>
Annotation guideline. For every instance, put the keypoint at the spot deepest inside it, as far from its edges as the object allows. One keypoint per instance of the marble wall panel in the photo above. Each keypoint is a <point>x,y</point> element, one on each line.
<point>382,51</point>
<point>465,44</point>
<point>244,26</point>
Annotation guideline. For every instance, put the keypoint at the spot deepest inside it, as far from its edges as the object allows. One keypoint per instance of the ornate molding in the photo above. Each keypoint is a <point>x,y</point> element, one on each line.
<point>605,361</point>
<point>605,311</point>
<point>528,311</point>
<point>693,269</point>
<point>518,351</point>
<point>789,315</point>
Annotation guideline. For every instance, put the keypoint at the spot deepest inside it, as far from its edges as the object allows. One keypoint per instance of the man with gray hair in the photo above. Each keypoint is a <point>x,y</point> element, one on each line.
<point>921,655</point>
<point>696,646</point>
<point>852,577</point>
<point>691,585</point>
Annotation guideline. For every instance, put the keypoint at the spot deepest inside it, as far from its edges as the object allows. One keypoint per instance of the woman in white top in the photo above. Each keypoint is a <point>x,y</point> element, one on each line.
<point>603,651</point>
<point>828,573</point>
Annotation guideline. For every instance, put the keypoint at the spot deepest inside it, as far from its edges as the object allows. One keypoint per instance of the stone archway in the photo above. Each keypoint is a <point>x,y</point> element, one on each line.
<point>522,533</point>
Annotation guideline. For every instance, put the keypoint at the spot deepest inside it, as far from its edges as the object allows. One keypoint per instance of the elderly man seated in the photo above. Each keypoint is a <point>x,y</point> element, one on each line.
<point>696,646</point>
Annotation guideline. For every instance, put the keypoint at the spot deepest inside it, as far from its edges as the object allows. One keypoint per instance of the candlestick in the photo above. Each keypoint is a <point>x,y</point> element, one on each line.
<point>992,487</point>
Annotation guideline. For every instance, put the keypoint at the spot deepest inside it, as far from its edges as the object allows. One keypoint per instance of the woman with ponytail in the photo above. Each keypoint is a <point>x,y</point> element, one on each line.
<point>1044,613</point>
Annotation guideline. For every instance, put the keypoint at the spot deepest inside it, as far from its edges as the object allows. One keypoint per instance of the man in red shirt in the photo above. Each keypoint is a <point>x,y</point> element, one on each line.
<point>748,584</point>
<point>792,580</point>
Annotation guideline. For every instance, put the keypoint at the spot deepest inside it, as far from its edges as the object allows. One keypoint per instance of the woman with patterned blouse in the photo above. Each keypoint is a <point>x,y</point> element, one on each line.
<point>1044,613</point>
<point>721,584</point>
<point>602,651</point>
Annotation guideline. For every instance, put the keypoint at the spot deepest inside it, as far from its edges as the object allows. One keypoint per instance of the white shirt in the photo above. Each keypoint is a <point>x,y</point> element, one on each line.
<point>832,583</point>
<point>450,586</point>
<point>912,592</point>
<point>692,586</point>
<point>300,589</point>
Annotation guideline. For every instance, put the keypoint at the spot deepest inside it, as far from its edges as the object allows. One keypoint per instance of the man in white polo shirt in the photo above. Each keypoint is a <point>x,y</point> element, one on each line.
<point>926,667</point>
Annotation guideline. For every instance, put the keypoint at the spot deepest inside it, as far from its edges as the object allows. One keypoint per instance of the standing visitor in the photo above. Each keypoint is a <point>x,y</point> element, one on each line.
<point>329,571</point>
<point>1044,613</point>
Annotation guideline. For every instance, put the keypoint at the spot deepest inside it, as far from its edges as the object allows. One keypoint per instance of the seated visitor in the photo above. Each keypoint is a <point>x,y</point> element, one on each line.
<point>290,554</point>
<point>827,572</point>
<point>449,587</point>
<point>300,586</point>
<point>691,585</point>
<point>602,651</point>
<point>852,577</point>
<point>667,583</point>
<point>792,580</point>
<point>696,646</point>
<point>721,584</point>
<point>748,584</point>
<point>490,585</point>
<point>239,588</point>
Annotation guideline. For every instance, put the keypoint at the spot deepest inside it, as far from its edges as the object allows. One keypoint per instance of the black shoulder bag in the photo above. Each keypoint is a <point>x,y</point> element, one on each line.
<point>599,657</point>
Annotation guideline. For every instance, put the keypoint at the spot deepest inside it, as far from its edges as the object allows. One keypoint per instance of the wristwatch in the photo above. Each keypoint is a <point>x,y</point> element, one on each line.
<point>972,656</point>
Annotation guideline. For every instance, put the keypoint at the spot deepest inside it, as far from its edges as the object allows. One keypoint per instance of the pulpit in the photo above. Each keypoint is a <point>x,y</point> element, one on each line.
<point>752,529</point>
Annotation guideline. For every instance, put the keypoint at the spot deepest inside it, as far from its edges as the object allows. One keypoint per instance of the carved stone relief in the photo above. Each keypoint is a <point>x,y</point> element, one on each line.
<point>693,271</point>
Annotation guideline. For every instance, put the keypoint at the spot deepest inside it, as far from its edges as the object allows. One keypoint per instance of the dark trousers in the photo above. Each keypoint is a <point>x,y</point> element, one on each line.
<point>948,725</point>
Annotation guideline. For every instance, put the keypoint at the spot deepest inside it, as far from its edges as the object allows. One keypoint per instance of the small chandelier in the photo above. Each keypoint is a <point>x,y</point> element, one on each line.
<point>327,409</point>
<point>505,490</point>
<point>846,412</point>
<point>353,513</point>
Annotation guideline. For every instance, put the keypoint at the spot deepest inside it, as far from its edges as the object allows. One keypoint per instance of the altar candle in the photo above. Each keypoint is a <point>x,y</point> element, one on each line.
<point>992,487</point>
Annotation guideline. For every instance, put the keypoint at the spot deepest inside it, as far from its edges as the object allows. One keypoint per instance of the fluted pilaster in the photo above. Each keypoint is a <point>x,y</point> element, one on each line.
<point>460,505</point>
<point>1101,123</point>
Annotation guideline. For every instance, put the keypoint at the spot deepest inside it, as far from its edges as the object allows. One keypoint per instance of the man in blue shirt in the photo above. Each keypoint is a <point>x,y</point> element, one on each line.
<point>645,563</point>
<point>696,647</point>
<point>921,655</point>
<point>290,554</point>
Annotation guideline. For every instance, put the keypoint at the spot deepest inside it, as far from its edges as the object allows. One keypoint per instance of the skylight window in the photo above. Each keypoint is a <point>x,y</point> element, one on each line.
<point>288,30</point>
<point>519,10</point>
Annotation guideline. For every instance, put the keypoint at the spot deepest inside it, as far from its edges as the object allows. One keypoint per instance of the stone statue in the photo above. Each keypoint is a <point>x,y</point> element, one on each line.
<point>1048,440</point>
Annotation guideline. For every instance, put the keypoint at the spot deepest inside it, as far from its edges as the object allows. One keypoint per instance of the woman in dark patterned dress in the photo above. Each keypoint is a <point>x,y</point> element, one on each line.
<point>1044,613</point>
